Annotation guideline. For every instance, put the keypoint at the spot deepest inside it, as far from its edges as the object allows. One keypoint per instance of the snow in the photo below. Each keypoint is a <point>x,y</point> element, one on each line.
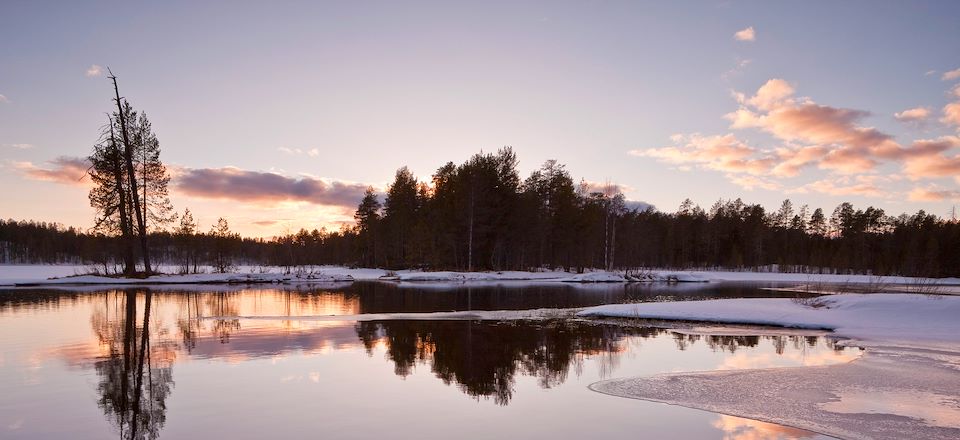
<point>596,277</point>
<point>881,395</point>
<point>909,320</point>
<point>37,274</point>
<point>905,386</point>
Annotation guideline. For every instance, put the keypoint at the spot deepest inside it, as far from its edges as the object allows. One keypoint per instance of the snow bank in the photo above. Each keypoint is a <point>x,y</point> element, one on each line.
<point>906,320</point>
<point>212,278</point>
<point>34,274</point>
<point>596,277</point>
<point>815,278</point>
<point>412,276</point>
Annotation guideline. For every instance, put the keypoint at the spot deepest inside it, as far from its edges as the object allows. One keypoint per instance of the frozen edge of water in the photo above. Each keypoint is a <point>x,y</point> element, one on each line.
<point>747,393</point>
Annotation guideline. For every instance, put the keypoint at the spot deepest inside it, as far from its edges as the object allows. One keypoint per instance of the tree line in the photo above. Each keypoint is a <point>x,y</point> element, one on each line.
<point>480,215</point>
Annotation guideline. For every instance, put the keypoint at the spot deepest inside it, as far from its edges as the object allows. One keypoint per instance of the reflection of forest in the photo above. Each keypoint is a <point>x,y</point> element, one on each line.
<point>484,357</point>
<point>136,373</point>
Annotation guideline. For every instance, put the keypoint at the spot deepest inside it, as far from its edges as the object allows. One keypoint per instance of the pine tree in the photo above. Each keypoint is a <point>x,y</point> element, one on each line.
<point>368,223</point>
<point>110,194</point>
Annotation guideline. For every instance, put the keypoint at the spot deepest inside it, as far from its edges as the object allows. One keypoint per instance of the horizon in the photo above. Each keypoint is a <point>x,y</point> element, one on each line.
<point>765,102</point>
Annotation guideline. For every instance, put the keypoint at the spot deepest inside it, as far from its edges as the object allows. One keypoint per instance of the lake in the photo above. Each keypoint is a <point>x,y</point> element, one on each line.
<point>226,362</point>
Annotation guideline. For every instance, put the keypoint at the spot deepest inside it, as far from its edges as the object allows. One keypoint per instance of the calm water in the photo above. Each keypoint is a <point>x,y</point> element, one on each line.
<point>178,364</point>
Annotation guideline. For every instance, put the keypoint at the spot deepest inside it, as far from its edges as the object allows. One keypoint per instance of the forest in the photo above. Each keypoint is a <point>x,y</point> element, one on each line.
<point>480,215</point>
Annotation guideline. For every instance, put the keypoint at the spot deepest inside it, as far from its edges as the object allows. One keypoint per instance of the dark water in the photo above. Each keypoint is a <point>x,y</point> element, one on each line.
<point>175,363</point>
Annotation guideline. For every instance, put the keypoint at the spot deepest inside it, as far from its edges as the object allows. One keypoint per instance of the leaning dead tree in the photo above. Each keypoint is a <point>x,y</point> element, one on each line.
<point>131,176</point>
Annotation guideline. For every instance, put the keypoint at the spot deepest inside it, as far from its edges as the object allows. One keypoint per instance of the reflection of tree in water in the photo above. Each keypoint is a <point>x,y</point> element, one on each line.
<point>136,373</point>
<point>732,343</point>
<point>483,358</point>
<point>193,307</point>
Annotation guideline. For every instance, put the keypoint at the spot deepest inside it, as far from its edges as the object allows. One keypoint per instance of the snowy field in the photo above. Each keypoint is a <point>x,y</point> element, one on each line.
<point>907,385</point>
<point>73,274</point>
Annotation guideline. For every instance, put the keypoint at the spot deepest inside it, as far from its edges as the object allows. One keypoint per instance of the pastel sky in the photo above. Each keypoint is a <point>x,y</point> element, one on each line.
<point>276,115</point>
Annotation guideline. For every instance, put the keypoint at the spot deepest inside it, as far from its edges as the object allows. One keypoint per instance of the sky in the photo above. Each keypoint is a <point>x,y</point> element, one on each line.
<point>277,115</point>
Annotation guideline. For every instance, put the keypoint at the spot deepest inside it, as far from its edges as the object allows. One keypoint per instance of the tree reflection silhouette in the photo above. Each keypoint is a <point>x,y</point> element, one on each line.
<point>483,358</point>
<point>134,380</point>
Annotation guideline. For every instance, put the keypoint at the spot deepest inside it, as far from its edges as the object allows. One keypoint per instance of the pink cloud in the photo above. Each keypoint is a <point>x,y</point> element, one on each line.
<point>64,169</point>
<point>721,152</point>
<point>933,194</point>
<point>913,115</point>
<point>951,111</point>
<point>230,183</point>
<point>747,34</point>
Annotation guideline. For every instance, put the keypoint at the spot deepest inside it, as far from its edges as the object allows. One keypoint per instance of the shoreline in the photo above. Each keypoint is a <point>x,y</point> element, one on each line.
<point>832,400</point>
<point>48,275</point>
<point>904,386</point>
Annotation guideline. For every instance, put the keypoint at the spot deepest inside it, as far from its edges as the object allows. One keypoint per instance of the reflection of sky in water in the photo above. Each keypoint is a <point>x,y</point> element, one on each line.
<point>399,379</point>
<point>933,409</point>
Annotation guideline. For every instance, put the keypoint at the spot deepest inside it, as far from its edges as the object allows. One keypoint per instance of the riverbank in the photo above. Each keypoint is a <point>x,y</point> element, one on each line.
<point>37,275</point>
<point>905,386</point>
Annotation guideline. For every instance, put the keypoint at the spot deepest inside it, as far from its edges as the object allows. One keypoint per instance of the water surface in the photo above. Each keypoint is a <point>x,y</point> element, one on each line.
<point>178,363</point>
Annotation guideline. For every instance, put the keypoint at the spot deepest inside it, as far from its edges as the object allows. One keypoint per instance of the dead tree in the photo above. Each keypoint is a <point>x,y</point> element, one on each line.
<point>134,193</point>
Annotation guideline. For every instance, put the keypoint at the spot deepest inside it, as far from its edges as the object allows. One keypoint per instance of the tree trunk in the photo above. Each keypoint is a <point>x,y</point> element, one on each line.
<point>128,155</point>
<point>129,263</point>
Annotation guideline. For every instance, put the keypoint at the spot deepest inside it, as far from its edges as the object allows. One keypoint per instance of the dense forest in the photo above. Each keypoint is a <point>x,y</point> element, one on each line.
<point>480,215</point>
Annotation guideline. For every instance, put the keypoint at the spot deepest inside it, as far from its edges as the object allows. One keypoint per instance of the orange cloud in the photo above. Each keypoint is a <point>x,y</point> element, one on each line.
<point>747,34</point>
<point>914,115</point>
<point>866,185</point>
<point>64,169</point>
<point>829,138</point>
<point>721,153</point>
<point>933,194</point>
<point>951,75</point>
<point>929,161</point>
<point>951,111</point>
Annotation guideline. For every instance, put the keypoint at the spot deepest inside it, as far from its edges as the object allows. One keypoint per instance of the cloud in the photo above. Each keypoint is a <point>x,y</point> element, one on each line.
<point>3,99</point>
<point>231,183</point>
<point>719,152</point>
<point>226,183</point>
<point>750,183</point>
<point>20,146</point>
<point>636,205</point>
<point>64,169</point>
<point>851,147</point>
<point>94,71</point>
<point>951,75</point>
<point>930,72</point>
<point>737,69</point>
<point>929,161</point>
<point>913,115</point>
<point>933,194</point>
<point>844,186</point>
<point>313,152</point>
<point>812,135</point>
<point>951,111</point>
<point>747,34</point>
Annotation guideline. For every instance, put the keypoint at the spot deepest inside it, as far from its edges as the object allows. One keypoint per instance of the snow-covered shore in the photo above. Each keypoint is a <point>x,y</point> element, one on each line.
<point>903,320</point>
<point>907,385</point>
<point>74,275</point>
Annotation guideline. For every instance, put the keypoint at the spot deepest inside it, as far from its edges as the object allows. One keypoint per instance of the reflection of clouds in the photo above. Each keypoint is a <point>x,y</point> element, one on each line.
<point>743,360</point>
<point>277,342</point>
<point>736,428</point>
<point>15,425</point>
<point>934,409</point>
